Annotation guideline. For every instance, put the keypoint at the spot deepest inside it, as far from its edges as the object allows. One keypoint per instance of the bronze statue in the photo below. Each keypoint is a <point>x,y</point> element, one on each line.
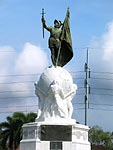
<point>60,42</point>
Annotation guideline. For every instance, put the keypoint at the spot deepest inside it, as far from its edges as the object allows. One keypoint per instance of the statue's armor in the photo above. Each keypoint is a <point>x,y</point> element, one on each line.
<point>54,39</point>
<point>55,33</point>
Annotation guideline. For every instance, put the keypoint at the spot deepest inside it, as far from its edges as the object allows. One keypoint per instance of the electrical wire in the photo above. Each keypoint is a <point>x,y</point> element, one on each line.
<point>101,94</point>
<point>31,96</point>
<point>15,75</point>
<point>37,105</point>
<point>98,104</point>
<point>17,82</point>
<point>100,78</point>
<point>17,106</point>
<point>28,90</point>
<point>34,74</point>
<point>101,72</point>
<point>18,97</point>
<point>101,88</point>
<point>101,109</point>
<point>25,111</point>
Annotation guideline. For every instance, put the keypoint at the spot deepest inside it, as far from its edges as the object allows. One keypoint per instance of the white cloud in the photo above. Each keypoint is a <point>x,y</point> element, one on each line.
<point>107,40</point>
<point>30,60</point>
<point>102,53</point>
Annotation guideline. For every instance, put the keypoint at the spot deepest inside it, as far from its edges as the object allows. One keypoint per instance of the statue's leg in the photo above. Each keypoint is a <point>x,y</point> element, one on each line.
<point>53,56</point>
<point>70,108</point>
<point>57,52</point>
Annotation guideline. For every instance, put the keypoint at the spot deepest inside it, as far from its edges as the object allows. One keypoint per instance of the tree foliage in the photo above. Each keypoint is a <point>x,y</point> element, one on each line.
<point>11,130</point>
<point>98,137</point>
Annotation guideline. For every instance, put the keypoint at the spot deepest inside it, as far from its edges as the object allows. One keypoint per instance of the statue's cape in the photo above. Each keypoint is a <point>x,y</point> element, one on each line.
<point>66,51</point>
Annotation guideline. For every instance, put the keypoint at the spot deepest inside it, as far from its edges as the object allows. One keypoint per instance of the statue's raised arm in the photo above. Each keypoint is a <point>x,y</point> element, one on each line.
<point>45,26</point>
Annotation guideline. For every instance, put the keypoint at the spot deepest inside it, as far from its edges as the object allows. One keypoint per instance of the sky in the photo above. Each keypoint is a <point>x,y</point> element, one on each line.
<point>24,55</point>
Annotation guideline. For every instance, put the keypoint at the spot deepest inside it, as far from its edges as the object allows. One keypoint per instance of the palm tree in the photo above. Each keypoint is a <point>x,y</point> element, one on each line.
<point>8,132</point>
<point>26,118</point>
<point>22,119</point>
<point>12,129</point>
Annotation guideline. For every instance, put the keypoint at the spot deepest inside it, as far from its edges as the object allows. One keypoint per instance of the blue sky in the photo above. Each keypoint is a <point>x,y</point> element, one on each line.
<point>20,19</point>
<point>91,24</point>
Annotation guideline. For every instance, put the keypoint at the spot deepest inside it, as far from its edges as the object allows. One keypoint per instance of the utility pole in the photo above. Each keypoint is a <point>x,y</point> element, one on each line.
<point>87,89</point>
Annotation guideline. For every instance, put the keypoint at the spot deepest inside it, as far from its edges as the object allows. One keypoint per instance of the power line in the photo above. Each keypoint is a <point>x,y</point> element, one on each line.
<point>18,97</point>
<point>8,75</point>
<point>28,90</point>
<point>91,108</point>
<point>37,105</point>
<point>17,82</point>
<point>25,106</point>
<point>29,96</point>
<point>101,78</point>
<point>25,111</point>
<point>101,109</point>
<point>21,82</point>
<point>101,72</point>
<point>101,94</point>
<point>84,48</point>
<point>13,75</point>
<point>78,103</point>
<point>19,106</point>
<point>74,109</point>
<point>77,71</point>
<point>78,78</point>
<point>101,88</point>
<point>98,104</point>
<point>101,104</point>
<point>79,109</point>
<point>95,109</point>
<point>29,111</point>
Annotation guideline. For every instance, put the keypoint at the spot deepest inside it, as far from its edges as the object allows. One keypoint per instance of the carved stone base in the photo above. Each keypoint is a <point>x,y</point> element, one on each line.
<point>65,137</point>
<point>80,138</point>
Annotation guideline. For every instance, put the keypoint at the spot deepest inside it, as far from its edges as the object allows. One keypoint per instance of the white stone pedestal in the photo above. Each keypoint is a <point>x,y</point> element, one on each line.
<point>80,137</point>
<point>32,138</point>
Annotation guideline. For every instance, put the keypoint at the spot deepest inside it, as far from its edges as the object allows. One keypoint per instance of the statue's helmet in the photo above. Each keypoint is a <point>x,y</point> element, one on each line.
<point>57,23</point>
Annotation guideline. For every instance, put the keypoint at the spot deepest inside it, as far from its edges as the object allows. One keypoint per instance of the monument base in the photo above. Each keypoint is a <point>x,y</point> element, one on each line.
<point>40,136</point>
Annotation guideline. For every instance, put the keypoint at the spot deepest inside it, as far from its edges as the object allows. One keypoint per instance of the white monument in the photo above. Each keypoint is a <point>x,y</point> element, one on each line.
<point>55,91</point>
<point>54,129</point>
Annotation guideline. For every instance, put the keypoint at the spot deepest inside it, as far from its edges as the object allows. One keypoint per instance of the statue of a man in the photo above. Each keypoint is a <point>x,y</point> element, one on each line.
<point>54,39</point>
<point>60,42</point>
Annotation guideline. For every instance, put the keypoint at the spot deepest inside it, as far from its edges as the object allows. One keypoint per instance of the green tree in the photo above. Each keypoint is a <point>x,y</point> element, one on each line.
<point>22,119</point>
<point>26,118</point>
<point>8,132</point>
<point>11,130</point>
<point>98,137</point>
